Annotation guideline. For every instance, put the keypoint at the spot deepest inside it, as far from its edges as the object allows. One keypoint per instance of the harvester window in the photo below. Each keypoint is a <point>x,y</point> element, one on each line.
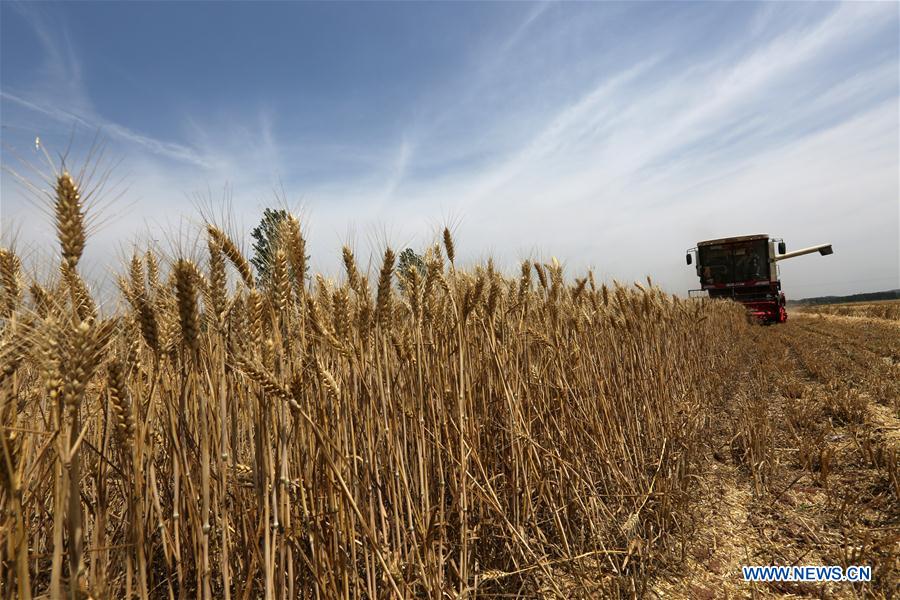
<point>747,265</point>
<point>733,263</point>
<point>715,262</point>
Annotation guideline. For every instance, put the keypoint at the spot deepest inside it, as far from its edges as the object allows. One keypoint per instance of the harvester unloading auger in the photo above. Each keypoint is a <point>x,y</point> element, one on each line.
<point>745,269</point>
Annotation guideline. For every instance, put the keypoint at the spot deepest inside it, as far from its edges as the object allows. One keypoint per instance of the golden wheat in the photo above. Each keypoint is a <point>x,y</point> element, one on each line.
<point>456,433</point>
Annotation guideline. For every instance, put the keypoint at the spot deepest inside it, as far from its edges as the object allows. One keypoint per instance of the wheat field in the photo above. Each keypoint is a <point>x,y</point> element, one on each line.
<point>449,432</point>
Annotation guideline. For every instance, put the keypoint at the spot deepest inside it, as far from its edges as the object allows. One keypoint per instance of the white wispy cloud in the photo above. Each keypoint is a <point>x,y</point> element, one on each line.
<point>169,150</point>
<point>61,95</point>
<point>644,157</point>
<point>581,183</point>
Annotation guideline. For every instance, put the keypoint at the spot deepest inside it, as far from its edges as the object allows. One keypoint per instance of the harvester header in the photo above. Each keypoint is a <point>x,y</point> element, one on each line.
<point>745,269</point>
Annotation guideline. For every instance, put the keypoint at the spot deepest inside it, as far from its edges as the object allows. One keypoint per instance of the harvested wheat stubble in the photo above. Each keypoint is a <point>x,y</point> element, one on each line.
<point>888,310</point>
<point>453,432</point>
<point>820,482</point>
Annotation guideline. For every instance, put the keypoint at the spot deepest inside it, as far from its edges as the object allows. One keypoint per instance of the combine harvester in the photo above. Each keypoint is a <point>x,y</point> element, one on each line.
<point>745,269</point>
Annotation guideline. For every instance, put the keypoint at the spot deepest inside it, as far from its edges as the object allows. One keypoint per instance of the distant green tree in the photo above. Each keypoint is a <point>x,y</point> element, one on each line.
<point>408,261</point>
<point>265,242</point>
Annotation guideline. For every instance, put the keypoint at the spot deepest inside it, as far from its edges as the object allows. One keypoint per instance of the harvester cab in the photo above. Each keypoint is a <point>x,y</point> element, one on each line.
<point>745,269</point>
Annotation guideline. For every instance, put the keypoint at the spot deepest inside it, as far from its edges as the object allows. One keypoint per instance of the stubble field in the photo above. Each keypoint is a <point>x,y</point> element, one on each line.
<point>820,481</point>
<point>883,309</point>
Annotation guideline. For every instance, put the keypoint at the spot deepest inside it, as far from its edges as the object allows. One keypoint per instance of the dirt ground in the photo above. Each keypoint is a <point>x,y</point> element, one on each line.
<point>823,484</point>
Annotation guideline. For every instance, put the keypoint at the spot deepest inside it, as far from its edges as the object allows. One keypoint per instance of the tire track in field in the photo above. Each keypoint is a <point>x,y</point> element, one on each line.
<point>797,357</point>
<point>862,331</point>
<point>868,514</point>
<point>878,374</point>
<point>843,351</point>
<point>737,525</point>
<point>811,513</point>
<point>847,340</point>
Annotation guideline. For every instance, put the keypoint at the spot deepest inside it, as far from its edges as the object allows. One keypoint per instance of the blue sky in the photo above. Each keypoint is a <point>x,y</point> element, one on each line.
<point>607,135</point>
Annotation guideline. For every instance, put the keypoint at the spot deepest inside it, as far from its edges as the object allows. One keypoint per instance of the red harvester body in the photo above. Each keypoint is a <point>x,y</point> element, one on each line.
<point>745,269</point>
